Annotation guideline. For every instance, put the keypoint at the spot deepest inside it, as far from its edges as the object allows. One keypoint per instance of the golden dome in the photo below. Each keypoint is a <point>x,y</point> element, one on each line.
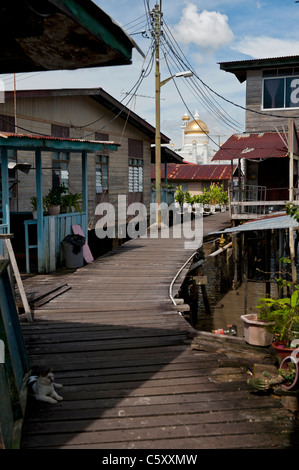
<point>186,117</point>
<point>196,127</point>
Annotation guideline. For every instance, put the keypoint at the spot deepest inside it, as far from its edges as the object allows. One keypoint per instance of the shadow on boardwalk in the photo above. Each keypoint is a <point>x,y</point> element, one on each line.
<point>131,379</point>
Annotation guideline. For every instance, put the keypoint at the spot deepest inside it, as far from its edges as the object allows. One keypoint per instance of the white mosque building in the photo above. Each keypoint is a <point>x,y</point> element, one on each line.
<point>195,141</point>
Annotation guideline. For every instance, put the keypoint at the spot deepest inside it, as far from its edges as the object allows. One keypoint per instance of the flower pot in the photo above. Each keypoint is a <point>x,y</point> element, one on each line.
<point>284,365</point>
<point>34,214</point>
<point>54,210</point>
<point>282,351</point>
<point>255,332</point>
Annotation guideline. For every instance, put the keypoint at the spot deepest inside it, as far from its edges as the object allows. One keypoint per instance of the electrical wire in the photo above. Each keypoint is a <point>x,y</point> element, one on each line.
<point>210,100</point>
<point>209,104</point>
<point>188,65</point>
<point>131,94</point>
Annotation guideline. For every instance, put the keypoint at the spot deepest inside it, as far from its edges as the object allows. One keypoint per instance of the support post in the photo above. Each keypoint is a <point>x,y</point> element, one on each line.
<point>40,216</point>
<point>157,98</point>
<point>85,193</point>
<point>5,188</point>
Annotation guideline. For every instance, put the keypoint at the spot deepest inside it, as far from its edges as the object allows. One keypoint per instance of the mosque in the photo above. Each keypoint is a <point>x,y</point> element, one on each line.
<point>195,141</point>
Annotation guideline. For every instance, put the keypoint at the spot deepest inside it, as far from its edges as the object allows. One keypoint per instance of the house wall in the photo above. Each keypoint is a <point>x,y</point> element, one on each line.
<point>76,112</point>
<point>266,121</point>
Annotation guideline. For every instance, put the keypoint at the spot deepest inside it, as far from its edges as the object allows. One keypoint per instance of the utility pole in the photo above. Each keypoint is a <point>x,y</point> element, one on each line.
<point>157,97</point>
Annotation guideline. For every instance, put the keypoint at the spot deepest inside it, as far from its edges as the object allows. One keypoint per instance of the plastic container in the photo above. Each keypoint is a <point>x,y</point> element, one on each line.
<point>72,247</point>
<point>255,332</point>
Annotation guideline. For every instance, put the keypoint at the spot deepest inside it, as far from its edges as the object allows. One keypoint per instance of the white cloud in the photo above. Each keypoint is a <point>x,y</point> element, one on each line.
<point>264,46</point>
<point>209,29</point>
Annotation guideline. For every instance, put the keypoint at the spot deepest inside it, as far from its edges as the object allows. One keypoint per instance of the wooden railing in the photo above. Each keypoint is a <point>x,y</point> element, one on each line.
<point>14,365</point>
<point>55,229</point>
<point>254,202</point>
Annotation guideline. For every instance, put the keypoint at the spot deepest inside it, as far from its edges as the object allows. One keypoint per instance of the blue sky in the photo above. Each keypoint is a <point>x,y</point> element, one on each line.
<point>205,33</point>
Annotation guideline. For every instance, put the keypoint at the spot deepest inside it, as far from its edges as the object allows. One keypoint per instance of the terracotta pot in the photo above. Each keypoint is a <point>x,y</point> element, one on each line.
<point>281,350</point>
<point>54,210</point>
<point>284,365</point>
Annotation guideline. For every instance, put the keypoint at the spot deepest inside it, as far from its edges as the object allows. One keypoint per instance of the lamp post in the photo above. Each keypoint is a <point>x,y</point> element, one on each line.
<point>158,85</point>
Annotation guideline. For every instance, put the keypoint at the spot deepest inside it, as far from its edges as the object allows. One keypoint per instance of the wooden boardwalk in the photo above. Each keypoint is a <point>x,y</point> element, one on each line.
<point>131,379</point>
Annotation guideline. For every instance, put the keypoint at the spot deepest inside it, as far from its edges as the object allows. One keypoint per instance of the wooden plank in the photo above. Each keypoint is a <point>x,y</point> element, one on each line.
<point>130,376</point>
<point>16,271</point>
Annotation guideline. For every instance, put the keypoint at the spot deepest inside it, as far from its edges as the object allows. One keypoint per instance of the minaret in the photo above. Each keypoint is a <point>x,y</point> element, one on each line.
<point>185,119</point>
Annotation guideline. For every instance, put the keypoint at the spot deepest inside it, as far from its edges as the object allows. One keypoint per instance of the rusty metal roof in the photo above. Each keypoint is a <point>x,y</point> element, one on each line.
<point>253,146</point>
<point>194,172</point>
<point>31,142</point>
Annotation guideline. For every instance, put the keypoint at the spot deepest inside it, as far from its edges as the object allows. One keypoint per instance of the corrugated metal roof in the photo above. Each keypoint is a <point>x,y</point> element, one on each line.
<point>253,146</point>
<point>276,221</point>
<point>194,172</point>
<point>49,137</point>
<point>31,142</point>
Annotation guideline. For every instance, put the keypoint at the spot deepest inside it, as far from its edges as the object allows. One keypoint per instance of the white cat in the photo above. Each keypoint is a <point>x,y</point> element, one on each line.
<point>42,387</point>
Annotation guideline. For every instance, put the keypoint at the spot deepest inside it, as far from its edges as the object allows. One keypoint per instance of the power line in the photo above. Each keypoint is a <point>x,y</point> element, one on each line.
<point>210,104</point>
<point>188,65</point>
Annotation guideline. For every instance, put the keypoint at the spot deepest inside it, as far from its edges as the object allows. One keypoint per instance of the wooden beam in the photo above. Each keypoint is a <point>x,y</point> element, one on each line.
<point>17,275</point>
<point>40,217</point>
<point>5,188</point>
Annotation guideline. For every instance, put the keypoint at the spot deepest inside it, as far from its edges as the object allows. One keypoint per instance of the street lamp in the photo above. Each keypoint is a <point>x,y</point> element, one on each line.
<point>159,84</point>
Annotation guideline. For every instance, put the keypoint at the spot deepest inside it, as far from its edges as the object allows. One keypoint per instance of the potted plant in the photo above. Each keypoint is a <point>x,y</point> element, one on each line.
<point>255,330</point>
<point>33,205</point>
<point>54,199</point>
<point>179,196</point>
<point>283,318</point>
<point>71,201</point>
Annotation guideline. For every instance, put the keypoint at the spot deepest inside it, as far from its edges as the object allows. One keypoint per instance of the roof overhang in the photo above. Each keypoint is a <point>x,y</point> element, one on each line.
<point>253,146</point>
<point>276,221</point>
<point>239,68</point>
<point>167,156</point>
<point>39,35</point>
<point>50,144</point>
<point>101,97</point>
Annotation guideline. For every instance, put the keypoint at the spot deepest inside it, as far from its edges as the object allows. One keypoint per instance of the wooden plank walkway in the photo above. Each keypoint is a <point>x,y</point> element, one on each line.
<point>131,379</point>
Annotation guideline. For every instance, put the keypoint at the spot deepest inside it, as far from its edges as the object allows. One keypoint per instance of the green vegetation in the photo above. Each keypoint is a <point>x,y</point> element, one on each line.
<point>212,196</point>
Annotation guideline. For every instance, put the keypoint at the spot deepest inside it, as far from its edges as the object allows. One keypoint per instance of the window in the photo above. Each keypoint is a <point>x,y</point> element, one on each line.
<point>60,160</point>
<point>281,91</point>
<point>135,175</point>
<point>7,123</point>
<point>60,169</point>
<point>102,174</point>
<point>135,166</point>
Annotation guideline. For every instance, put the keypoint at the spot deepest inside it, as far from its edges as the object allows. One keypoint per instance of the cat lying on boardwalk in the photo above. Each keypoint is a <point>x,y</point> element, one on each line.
<point>42,387</point>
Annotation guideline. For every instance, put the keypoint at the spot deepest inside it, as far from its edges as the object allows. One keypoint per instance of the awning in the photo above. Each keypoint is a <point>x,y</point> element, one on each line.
<point>51,144</point>
<point>271,222</point>
<point>39,35</point>
<point>256,146</point>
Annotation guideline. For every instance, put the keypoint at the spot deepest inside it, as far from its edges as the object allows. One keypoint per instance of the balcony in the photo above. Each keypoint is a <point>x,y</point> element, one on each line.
<point>254,202</point>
